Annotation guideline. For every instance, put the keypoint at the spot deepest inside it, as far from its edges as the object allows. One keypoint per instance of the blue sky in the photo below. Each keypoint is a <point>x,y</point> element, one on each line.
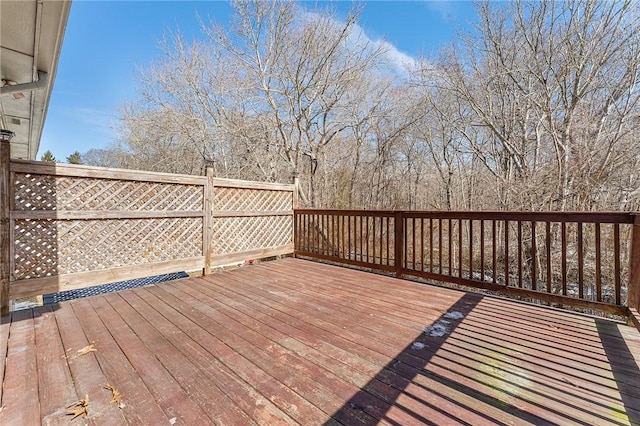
<point>106,43</point>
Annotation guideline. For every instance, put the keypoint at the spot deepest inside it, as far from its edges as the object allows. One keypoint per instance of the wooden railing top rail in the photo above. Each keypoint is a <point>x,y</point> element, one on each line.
<point>582,217</point>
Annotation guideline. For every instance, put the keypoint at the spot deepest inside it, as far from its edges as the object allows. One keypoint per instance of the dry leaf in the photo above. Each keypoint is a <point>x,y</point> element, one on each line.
<point>79,408</point>
<point>116,396</point>
<point>86,350</point>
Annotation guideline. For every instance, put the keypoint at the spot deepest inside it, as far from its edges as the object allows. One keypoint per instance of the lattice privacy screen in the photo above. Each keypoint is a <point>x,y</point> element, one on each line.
<point>238,234</point>
<point>77,219</point>
<point>42,192</point>
<point>255,200</point>
<point>49,247</point>
<point>55,247</point>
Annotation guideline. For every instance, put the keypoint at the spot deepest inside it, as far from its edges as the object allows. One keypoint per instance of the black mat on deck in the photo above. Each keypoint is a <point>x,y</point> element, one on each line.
<point>62,296</point>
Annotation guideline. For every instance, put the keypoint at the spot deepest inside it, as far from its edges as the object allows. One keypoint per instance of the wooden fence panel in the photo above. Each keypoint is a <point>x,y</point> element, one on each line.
<point>76,226</point>
<point>250,220</point>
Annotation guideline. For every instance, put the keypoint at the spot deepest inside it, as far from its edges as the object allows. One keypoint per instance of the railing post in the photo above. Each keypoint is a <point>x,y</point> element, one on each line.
<point>5,206</point>
<point>294,205</point>
<point>633,289</point>
<point>207,224</point>
<point>398,242</point>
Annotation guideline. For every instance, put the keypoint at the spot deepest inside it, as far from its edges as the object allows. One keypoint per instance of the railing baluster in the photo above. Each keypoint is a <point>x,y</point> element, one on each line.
<point>314,230</point>
<point>422,244</point>
<point>361,237</point>
<point>494,251</point>
<point>375,238</point>
<point>482,250</point>
<point>471,249</point>
<point>400,243</point>
<point>335,236</point>
<point>440,245</point>
<point>616,259</point>
<point>323,233</point>
<point>308,230</point>
<point>548,244</point>
<point>598,249</point>
<point>413,243</point>
<point>366,227</point>
<point>342,235</point>
<point>580,262</point>
<point>563,231</point>
<point>506,253</point>
<point>388,256</point>
<point>405,246</point>
<point>534,243</point>
<point>450,249</point>
<point>520,253</point>
<point>430,244</point>
<point>349,236</point>
<point>460,248</point>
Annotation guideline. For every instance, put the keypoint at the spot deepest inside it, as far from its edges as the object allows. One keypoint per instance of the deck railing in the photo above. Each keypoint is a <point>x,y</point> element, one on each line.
<point>577,259</point>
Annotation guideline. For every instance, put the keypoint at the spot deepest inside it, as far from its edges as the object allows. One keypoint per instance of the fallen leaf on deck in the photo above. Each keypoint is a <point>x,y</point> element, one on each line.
<point>79,408</point>
<point>116,396</point>
<point>86,350</point>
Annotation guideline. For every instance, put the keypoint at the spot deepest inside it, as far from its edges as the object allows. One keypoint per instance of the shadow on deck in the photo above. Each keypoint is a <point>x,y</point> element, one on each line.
<point>298,342</point>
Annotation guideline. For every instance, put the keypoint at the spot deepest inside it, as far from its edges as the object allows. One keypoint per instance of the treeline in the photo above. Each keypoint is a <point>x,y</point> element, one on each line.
<point>537,108</point>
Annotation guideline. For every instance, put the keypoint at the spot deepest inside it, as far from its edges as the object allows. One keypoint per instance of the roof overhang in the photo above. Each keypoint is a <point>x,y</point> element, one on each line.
<point>31,33</point>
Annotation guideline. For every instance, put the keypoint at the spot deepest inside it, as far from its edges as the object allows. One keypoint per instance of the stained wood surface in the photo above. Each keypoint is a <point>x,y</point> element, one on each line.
<point>5,226</point>
<point>299,342</point>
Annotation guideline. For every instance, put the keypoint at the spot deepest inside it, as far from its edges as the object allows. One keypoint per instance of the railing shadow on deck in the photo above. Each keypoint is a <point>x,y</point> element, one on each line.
<point>402,371</point>
<point>412,390</point>
<point>624,368</point>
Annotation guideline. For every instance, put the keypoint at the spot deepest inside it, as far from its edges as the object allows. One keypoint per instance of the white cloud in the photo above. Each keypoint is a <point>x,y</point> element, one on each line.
<point>397,60</point>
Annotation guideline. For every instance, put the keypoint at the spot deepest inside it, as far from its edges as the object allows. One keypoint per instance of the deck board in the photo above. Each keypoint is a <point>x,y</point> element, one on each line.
<point>86,372</point>
<point>55,385</point>
<point>298,342</point>
<point>139,404</point>
<point>21,373</point>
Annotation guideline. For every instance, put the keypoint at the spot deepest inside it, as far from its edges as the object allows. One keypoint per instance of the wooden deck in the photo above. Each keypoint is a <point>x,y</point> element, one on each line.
<point>297,342</point>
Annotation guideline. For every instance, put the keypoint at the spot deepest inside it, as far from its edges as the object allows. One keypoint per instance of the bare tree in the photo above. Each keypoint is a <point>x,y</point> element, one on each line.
<point>553,89</point>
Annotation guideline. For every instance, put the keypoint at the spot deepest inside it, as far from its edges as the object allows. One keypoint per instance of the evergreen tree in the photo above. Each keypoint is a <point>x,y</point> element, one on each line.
<point>74,158</point>
<point>48,157</point>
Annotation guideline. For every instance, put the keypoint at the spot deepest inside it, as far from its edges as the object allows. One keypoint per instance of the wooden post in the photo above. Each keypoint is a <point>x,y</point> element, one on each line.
<point>398,242</point>
<point>5,202</point>
<point>207,224</point>
<point>633,289</point>
<point>294,203</point>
